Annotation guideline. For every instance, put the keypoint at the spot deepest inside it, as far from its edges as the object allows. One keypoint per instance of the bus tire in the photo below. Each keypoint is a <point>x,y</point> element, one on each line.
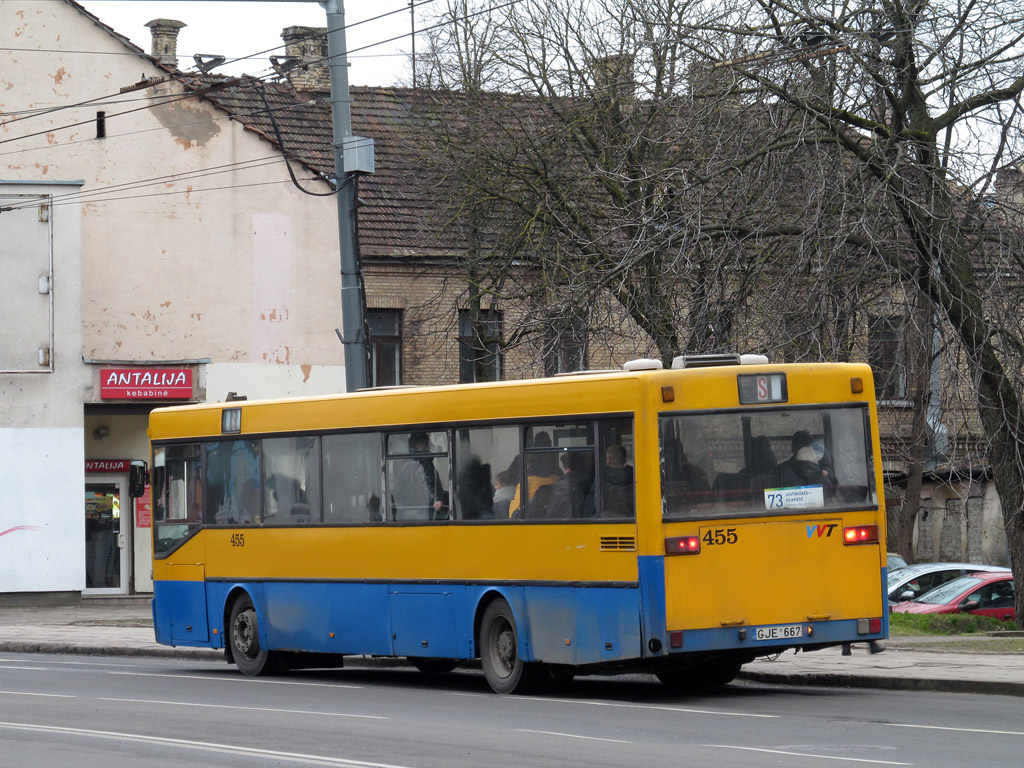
<point>433,666</point>
<point>504,670</point>
<point>244,636</point>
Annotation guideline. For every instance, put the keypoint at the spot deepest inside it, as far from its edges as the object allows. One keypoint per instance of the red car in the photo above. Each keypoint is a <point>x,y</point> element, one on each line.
<point>986,594</point>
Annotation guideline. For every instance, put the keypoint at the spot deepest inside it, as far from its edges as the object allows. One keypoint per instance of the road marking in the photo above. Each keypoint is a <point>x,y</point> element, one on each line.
<point>572,736</point>
<point>75,663</point>
<point>222,677</point>
<point>806,754</point>
<point>32,669</point>
<point>950,728</point>
<point>247,709</point>
<point>204,746</point>
<point>26,693</point>
<point>590,703</point>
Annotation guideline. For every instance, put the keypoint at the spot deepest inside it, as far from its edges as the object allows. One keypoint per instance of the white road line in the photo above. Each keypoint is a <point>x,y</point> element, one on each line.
<point>233,678</point>
<point>247,709</point>
<point>26,693</point>
<point>227,749</point>
<point>572,736</point>
<point>950,728</point>
<point>806,754</point>
<point>32,669</point>
<point>74,663</point>
<point>590,703</point>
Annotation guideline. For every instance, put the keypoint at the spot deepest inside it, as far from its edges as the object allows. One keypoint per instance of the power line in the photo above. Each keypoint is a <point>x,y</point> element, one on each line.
<point>109,136</point>
<point>181,97</point>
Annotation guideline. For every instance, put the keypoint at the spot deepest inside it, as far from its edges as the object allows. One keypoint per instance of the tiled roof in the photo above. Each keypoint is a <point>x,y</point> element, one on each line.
<point>396,205</point>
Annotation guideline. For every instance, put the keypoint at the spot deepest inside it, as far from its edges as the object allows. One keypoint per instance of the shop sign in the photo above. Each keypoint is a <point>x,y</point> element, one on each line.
<point>110,466</point>
<point>143,509</point>
<point>145,383</point>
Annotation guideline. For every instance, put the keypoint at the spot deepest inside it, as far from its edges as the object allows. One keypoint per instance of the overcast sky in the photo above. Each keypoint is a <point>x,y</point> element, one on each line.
<point>237,28</point>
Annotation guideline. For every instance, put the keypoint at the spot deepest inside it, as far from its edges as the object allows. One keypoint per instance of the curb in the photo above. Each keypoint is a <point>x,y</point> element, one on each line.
<point>834,680</point>
<point>205,654</point>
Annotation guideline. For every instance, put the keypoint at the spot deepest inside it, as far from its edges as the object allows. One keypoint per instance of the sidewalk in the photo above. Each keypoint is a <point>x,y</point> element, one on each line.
<point>101,627</point>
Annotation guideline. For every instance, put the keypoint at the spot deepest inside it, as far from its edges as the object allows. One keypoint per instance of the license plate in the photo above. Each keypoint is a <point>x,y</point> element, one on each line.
<point>779,633</point>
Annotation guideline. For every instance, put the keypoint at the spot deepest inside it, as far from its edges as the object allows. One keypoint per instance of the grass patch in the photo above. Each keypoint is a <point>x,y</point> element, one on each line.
<point>907,624</point>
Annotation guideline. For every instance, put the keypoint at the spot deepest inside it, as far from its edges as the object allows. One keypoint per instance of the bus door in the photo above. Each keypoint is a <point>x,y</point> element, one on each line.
<point>107,533</point>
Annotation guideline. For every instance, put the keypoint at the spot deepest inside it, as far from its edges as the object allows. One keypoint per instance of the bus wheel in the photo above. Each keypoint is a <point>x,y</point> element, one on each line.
<point>249,657</point>
<point>433,666</point>
<point>499,655</point>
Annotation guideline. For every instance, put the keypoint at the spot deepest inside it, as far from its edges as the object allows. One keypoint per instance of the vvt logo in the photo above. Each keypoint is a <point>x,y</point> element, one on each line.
<point>824,529</point>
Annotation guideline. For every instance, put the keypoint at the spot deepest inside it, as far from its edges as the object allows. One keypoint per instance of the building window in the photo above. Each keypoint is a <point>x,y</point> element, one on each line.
<point>385,327</point>
<point>886,357</point>
<point>565,350</point>
<point>479,346</point>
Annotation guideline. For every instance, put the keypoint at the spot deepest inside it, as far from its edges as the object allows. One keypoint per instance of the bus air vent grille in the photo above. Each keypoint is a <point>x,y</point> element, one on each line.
<point>618,544</point>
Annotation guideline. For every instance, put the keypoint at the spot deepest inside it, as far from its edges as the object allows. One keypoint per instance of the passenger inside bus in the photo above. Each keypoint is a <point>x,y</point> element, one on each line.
<point>541,471</point>
<point>473,490</point>
<point>567,500</point>
<point>803,467</point>
<point>616,484</point>
<point>678,468</point>
<point>417,492</point>
<point>504,490</point>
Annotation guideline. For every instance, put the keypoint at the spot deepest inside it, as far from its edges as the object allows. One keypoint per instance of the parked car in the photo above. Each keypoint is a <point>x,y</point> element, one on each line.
<point>894,561</point>
<point>983,593</point>
<point>913,581</point>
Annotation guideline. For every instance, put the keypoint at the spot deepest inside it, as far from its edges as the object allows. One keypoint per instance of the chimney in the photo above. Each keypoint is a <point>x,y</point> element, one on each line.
<point>614,82</point>
<point>165,41</point>
<point>308,45</point>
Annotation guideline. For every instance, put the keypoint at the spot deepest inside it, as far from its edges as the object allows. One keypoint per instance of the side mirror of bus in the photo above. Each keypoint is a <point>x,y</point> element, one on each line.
<point>138,477</point>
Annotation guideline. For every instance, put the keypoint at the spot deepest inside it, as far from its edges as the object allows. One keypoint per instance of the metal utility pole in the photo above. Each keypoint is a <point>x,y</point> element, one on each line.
<point>353,323</point>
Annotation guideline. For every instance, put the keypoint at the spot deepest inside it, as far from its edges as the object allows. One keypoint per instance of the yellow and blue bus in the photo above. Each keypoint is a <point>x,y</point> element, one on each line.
<point>679,521</point>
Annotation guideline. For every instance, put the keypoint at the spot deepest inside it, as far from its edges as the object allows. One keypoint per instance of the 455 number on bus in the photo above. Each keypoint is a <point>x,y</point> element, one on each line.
<point>719,536</point>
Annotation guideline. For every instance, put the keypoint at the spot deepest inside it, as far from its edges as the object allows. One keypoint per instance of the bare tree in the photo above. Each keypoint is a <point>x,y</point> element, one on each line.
<point>692,160</point>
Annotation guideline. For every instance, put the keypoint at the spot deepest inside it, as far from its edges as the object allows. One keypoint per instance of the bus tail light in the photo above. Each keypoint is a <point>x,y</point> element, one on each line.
<point>869,626</point>
<point>860,534</point>
<point>682,545</point>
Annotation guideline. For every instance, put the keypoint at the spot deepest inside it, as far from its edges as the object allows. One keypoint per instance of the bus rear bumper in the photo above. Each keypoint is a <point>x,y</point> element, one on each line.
<point>764,640</point>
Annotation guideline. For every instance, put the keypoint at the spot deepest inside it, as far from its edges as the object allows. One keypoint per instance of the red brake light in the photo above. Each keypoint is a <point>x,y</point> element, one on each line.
<point>860,534</point>
<point>682,545</point>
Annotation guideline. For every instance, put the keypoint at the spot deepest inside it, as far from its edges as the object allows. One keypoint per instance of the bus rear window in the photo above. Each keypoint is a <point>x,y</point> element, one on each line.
<point>765,461</point>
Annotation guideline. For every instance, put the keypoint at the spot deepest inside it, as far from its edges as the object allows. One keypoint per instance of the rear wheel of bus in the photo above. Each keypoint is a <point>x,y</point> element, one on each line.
<point>504,670</point>
<point>244,636</point>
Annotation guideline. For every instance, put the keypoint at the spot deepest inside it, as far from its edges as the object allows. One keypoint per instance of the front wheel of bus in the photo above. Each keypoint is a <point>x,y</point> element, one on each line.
<point>250,658</point>
<point>505,671</point>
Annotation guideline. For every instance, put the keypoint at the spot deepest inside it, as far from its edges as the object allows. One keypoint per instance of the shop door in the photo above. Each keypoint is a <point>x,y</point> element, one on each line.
<point>106,535</point>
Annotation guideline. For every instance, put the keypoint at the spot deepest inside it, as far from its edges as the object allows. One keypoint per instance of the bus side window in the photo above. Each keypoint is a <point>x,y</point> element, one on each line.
<point>232,482</point>
<point>291,467</point>
<point>486,472</point>
<point>417,476</point>
<point>352,480</point>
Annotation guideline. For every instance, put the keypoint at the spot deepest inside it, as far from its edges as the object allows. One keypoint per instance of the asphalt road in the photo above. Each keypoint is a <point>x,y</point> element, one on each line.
<point>90,712</point>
